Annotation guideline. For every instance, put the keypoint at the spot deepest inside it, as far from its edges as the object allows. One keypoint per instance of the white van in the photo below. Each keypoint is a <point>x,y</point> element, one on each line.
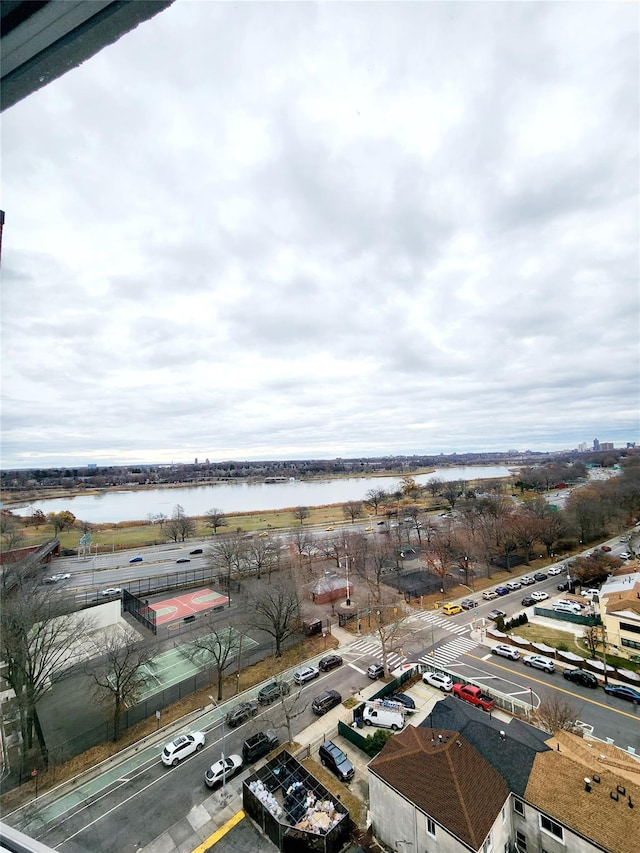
<point>567,607</point>
<point>385,717</point>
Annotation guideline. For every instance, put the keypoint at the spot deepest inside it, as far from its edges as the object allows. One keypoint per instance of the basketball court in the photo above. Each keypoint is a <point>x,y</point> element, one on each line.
<point>187,605</point>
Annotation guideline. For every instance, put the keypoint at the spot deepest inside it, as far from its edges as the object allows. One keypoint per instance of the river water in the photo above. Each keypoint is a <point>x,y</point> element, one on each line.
<point>113,507</point>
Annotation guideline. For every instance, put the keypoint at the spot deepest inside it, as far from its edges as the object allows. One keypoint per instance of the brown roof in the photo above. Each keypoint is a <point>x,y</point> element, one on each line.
<point>445,777</point>
<point>610,823</point>
<point>621,603</point>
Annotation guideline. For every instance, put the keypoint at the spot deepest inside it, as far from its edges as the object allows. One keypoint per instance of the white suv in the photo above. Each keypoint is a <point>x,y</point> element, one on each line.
<point>181,747</point>
<point>439,680</point>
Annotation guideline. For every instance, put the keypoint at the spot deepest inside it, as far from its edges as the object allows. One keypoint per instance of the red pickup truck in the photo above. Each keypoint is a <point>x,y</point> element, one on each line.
<point>473,694</point>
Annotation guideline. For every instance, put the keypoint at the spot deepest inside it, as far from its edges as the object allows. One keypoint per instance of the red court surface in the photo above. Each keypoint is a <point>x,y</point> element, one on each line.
<point>185,605</point>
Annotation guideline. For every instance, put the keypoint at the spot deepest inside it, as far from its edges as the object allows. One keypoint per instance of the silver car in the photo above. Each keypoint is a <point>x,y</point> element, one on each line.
<point>305,673</point>
<point>539,662</point>
<point>505,651</point>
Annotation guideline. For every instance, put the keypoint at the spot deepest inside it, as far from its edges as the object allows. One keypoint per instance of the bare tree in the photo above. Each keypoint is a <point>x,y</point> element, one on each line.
<point>11,533</point>
<point>375,498</point>
<point>556,713</point>
<point>36,639</point>
<point>300,513</point>
<point>222,645</point>
<point>592,638</point>
<point>125,671</point>
<point>277,610</point>
<point>452,491</point>
<point>215,518</point>
<point>434,484</point>
<point>391,630</point>
<point>230,551</point>
<point>179,526</point>
<point>353,510</point>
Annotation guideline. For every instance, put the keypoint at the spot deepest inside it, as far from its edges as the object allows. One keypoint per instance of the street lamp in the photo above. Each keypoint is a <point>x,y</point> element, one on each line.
<point>346,556</point>
<point>224,766</point>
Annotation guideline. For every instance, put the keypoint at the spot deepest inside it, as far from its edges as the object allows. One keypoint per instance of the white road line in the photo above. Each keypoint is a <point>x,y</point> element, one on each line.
<point>357,668</point>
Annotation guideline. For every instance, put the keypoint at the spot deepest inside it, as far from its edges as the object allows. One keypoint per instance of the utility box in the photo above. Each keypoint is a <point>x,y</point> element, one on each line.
<point>312,626</point>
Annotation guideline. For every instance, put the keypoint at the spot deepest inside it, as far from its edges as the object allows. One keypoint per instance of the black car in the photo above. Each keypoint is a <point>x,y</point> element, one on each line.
<point>581,676</point>
<point>196,551</point>
<point>566,587</point>
<point>325,702</point>
<point>329,662</point>
<point>403,699</point>
<point>241,713</point>
<point>333,757</point>
<point>527,601</point>
<point>258,745</point>
<point>183,560</point>
<point>468,603</point>
<point>540,576</point>
<point>623,692</point>
<point>273,691</point>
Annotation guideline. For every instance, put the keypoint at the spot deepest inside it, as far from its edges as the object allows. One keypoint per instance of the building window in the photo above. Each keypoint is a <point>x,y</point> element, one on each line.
<point>551,827</point>
<point>628,626</point>
<point>431,827</point>
<point>521,842</point>
<point>630,644</point>
<point>518,806</point>
<point>488,843</point>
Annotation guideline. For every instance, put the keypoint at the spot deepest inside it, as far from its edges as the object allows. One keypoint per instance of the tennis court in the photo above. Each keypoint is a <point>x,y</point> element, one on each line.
<point>182,606</point>
<point>172,667</point>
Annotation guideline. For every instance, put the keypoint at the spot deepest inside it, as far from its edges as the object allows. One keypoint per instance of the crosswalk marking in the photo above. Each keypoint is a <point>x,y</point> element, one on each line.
<point>375,650</point>
<point>441,622</point>
<point>449,651</point>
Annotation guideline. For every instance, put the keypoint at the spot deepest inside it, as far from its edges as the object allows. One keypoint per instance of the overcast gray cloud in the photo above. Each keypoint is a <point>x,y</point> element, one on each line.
<point>291,230</point>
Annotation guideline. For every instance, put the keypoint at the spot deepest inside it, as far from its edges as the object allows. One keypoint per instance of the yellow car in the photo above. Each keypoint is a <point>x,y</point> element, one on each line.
<point>330,528</point>
<point>451,609</point>
<point>368,528</point>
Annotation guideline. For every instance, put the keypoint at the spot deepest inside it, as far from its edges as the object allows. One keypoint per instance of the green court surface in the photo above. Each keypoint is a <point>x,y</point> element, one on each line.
<point>172,667</point>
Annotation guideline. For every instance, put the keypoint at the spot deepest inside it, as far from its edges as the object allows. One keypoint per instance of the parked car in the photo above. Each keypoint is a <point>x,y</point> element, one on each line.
<point>468,603</point>
<point>404,700</point>
<point>332,757</point>
<point>556,570</point>
<point>540,576</point>
<point>527,580</point>
<point>329,662</point>
<point>135,560</point>
<point>489,594</point>
<point>503,590</point>
<point>580,676</point>
<point>305,673</point>
<point>325,701</point>
<point>590,593</point>
<point>513,585</point>
<point>539,662</point>
<point>494,615</point>
<point>565,586</point>
<point>270,692</point>
<point>111,590</point>
<point>259,745</point>
<point>222,771</point>
<point>505,651</point>
<point>241,713</point>
<point>528,600</point>
<point>376,670</point>
<point>539,595</point>
<point>182,747</point>
<point>567,607</point>
<point>196,551</point>
<point>439,680</point>
<point>451,609</point>
<point>383,717</point>
<point>623,692</point>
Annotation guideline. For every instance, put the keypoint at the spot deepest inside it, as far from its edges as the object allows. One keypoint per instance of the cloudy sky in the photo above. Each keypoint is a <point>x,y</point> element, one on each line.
<point>267,230</point>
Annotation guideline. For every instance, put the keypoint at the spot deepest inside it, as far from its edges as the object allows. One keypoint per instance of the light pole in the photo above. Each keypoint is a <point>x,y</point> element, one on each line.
<point>348,587</point>
<point>224,766</point>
